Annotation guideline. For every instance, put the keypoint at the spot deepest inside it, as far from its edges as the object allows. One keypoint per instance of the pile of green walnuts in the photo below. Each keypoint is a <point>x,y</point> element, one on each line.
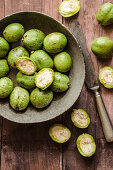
<point>35,65</point>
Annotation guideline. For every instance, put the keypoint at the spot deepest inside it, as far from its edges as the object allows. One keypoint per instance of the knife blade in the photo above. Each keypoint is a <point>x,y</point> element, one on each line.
<point>91,80</point>
<point>90,77</point>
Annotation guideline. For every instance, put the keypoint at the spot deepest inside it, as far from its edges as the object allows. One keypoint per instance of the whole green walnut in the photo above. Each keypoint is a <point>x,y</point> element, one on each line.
<point>33,39</point>
<point>69,8</point>
<point>55,42</point>
<point>6,87</point>
<point>102,47</point>
<point>40,98</point>
<point>16,53</point>
<point>63,62</point>
<point>4,68</point>
<point>105,14</point>
<point>60,82</point>
<point>19,98</point>
<point>25,81</point>
<point>4,47</point>
<point>42,59</point>
<point>13,32</point>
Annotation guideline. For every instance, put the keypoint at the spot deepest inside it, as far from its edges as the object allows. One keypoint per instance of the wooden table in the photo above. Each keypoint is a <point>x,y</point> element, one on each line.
<point>29,147</point>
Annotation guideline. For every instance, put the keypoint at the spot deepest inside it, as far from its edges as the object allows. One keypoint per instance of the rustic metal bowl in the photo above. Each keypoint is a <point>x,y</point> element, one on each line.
<point>62,101</point>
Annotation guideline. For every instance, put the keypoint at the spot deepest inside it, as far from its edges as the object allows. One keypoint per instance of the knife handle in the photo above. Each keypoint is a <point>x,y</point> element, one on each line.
<point>105,121</point>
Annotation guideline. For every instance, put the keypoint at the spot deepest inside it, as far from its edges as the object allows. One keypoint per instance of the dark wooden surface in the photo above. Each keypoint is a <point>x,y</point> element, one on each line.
<point>29,147</point>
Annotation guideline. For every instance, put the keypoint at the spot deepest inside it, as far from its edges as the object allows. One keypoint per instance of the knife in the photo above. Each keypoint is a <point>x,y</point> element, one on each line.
<point>91,80</point>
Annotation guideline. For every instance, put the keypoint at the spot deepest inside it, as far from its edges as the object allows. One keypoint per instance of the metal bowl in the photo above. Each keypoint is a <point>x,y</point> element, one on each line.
<point>62,101</point>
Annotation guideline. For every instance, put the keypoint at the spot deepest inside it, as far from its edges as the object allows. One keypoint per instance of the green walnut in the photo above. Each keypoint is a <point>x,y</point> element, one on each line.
<point>19,98</point>
<point>63,62</point>
<point>6,87</point>
<point>14,54</point>
<point>59,133</point>
<point>25,81</point>
<point>105,14</point>
<point>55,42</point>
<point>33,39</point>
<point>102,47</point>
<point>86,145</point>
<point>4,68</point>
<point>60,83</point>
<point>13,32</point>
<point>44,78</point>
<point>80,118</point>
<point>40,98</point>
<point>42,59</point>
<point>69,8</point>
<point>26,65</point>
<point>4,47</point>
<point>106,77</point>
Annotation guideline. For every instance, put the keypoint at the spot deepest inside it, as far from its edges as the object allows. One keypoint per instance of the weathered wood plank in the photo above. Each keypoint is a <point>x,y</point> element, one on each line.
<point>49,7</point>
<point>2,10</point>
<point>104,151</point>
<point>86,102</point>
<point>106,94</point>
<point>29,146</point>
<point>12,6</point>
<point>71,157</point>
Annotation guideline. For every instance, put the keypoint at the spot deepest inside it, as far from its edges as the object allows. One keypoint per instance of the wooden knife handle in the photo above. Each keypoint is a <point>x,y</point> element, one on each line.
<point>105,121</point>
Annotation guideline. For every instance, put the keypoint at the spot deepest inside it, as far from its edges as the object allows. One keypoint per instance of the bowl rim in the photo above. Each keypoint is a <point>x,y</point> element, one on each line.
<point>70,106</point>
<point>48,17</point>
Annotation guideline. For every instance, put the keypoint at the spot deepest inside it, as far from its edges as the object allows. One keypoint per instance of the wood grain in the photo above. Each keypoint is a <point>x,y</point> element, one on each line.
<point>86,102</point>
<point>29,147</point>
